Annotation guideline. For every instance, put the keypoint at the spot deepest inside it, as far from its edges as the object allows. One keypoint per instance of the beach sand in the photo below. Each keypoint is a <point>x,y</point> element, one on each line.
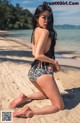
<point>15,60</point>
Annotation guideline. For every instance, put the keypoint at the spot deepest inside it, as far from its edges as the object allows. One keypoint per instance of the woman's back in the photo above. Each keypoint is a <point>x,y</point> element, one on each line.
<point>37,36</point>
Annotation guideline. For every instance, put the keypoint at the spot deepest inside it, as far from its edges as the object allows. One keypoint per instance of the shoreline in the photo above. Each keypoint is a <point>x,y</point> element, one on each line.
<point>62,44</point>
<point>60,53</point>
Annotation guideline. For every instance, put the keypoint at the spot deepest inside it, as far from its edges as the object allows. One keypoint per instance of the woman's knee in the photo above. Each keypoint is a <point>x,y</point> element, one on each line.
<point>61,106</point>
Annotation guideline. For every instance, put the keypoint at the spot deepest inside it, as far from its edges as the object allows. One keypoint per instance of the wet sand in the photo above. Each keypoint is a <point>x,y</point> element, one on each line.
<point>15,60</point>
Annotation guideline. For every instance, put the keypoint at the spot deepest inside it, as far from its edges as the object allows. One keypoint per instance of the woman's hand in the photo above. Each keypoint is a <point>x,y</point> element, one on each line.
<point>56,67</point>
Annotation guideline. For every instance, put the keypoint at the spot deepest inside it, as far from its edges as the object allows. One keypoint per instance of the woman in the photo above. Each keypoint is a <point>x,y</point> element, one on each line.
<point>43,66</point>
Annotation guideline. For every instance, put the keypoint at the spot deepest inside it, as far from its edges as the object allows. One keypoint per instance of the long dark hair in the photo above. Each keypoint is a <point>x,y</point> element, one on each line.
<point>50,28</point>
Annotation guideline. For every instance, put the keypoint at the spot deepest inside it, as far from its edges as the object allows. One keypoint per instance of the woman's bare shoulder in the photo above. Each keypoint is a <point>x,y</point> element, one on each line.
<point>41,30</point>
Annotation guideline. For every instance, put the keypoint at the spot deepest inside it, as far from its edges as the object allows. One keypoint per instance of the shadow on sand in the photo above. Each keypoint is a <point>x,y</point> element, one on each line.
<point>19,54</point>
<point>71,99</point>
<point>65,52</point>
<point>67,67</point>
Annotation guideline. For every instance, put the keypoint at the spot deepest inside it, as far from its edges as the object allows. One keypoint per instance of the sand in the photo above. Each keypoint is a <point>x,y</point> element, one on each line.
<point>15,60</point>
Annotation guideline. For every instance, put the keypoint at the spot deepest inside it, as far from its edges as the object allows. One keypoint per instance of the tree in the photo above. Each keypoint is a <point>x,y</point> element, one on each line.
<point>14,17</point>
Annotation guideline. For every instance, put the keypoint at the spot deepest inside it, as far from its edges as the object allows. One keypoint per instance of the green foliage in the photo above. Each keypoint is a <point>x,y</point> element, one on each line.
<point>14,17</point>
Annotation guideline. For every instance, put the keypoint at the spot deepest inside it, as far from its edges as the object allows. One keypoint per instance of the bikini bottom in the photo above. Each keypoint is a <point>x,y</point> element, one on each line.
<point>37,71</point>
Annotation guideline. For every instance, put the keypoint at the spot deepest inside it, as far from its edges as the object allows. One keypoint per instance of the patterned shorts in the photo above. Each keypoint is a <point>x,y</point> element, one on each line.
<point>37,71</point>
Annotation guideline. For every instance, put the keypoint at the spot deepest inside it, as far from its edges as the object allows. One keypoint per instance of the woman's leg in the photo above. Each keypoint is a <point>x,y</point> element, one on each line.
<point>49,87</point>
<point>23,98</point>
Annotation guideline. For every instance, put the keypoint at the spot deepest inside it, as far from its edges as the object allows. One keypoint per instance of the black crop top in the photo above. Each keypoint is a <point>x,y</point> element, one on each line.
<point>49,53</point>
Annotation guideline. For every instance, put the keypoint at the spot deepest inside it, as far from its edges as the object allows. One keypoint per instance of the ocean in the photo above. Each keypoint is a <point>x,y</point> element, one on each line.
<point>67,39</point>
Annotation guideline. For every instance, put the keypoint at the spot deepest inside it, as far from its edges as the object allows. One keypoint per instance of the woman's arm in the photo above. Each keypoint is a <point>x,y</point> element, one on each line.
<point>42,42</point>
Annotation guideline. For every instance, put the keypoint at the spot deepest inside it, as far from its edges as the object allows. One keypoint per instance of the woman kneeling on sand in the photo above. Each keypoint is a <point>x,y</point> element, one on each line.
<point>44,65</point>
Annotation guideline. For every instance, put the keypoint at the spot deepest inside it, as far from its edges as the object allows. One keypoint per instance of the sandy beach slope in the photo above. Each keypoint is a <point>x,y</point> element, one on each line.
<point>15,60</point>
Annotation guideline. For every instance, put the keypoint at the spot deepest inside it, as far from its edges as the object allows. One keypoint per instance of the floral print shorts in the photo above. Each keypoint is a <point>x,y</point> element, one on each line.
<point>37,71</point>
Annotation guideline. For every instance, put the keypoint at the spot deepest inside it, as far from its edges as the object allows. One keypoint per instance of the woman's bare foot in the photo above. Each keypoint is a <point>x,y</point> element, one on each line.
<point>25,112</point>
<point>18,101</point>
